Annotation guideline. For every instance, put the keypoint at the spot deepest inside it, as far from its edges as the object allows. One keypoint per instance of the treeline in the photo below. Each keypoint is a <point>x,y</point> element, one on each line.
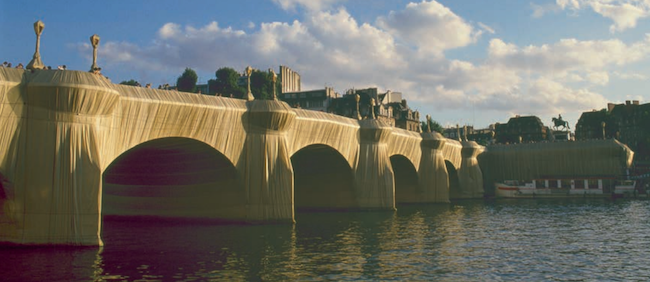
<point>227,82</point>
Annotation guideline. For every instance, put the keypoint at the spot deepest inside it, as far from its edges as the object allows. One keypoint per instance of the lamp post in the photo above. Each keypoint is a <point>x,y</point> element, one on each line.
<point>249,95</point>
<point>274,78</point>
<point>94,40</point>
<point>357,98</point>
<point>36,62</point>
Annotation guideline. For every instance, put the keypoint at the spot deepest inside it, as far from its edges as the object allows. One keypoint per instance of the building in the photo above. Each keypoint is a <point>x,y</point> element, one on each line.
<point>483,136</point>
<point>629,123</point>
<point>404,117</point>
<point>521,129</point>
<point>388,107</point>
<point>316,100</point>
<point>590,125</point>
<point>289,80</point>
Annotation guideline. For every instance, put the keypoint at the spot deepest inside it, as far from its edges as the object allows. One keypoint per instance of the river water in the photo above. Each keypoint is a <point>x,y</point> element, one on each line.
<point>492,240</point>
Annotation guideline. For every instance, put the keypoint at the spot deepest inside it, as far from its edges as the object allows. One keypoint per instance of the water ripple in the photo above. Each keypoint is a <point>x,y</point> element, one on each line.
<point>530,240</point>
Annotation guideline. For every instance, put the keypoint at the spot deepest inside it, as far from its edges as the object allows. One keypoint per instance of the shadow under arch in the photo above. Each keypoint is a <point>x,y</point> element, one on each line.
<point>173,178</point>
<point>323,180</point>
<point>406,180</point>
<point>454,183</point>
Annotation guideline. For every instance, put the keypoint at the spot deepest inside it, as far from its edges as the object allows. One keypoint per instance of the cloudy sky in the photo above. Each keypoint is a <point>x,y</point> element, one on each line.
<point>471,62</point>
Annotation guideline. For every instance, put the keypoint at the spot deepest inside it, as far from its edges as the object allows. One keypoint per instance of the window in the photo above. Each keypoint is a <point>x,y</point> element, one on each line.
<point>318,103</point>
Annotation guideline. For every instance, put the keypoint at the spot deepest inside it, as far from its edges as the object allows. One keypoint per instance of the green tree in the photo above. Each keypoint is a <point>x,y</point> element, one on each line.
<point>131,82</point>
<point>435,126</point>
<point>262,85</point>
<point>226,83</point>
<point>187,81</point>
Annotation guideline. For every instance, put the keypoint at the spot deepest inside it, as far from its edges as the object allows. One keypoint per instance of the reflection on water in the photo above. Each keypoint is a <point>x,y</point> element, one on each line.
<point>468,241</point>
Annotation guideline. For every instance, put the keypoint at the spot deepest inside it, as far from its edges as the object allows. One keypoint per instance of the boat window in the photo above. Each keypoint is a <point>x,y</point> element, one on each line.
<point>593,183</point>
<point>566,183</point>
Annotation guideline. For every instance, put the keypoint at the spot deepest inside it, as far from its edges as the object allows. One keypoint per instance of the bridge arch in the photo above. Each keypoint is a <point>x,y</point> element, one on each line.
<point>454,182</point>
<point>406,180</point>
<point>323,180</point>
<point>173,177</point>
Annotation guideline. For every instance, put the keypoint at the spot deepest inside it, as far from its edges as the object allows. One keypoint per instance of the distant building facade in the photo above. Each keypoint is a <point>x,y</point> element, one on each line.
<point>629,123</point>
<point>483,136</point>
<point>316,100</point>
<point>388,107</point>
<point>289,80</point>
<point>521,129</point>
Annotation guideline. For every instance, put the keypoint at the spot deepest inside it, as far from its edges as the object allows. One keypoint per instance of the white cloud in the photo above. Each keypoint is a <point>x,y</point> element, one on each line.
<point>169,30</point>
<point>540,10</point>
<point>630,75</point>
<point>567,55</point>
<point>599,77</point>
<point>403,51</point>
<point>624,13</point>
<point>486,28</point>
<point>624,16</point>
<point>311,5</point>
<point>571,4</point>
<point>548,96</point>
<point>430,27</point>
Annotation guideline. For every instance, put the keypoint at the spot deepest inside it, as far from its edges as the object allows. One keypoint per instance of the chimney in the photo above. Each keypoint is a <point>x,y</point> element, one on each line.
<point>627,102</point>
<point>635,102</point>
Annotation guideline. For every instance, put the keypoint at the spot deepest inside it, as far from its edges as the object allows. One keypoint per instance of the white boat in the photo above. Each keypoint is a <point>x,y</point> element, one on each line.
<point>565,188</point>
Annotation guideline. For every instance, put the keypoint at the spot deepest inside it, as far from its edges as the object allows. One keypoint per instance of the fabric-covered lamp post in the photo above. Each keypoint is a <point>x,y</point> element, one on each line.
<point>274,78</point>
<point>357,98</point>
<point>36,62</point>
<point>249,95</point>
<point>94,40</point>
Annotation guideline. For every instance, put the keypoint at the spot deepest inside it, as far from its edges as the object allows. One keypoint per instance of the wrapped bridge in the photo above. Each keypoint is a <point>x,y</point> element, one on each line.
<point>75,147</point>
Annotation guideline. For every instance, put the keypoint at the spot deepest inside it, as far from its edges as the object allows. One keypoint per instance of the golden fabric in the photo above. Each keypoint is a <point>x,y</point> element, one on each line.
<point>591,158</point>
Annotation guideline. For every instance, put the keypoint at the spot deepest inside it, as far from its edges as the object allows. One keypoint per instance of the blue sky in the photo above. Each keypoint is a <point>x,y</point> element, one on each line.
<point>463,62</point>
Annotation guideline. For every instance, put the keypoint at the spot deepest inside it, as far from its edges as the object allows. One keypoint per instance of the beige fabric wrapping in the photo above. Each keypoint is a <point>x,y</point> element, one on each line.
<point>374,174</point>
<point>337,132</point>
<point>11,108</point>
<point>55,154</point>
<point>555,159</point>
<point>434,177</point>
<point>146,115</point>
<point>469,174</point>
<point>266,166</point>
<point>63,129</point>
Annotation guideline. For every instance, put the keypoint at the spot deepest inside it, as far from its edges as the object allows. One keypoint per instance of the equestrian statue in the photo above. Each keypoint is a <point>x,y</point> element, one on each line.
<point>560,122</point>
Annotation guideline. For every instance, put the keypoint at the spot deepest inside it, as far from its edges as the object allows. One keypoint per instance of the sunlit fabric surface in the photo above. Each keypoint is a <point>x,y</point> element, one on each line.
<point>77,147</point>
<point>590,158</point>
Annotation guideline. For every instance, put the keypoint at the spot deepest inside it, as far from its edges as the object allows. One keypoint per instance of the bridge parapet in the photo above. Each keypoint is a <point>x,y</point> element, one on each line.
<point>470,175</point>
<point>374,131</point>
<point>68,126</point>
<point>74,92</point>
<point>57,177</point>
<point>268,116</point>
<point>374,175</point>
<point>265,169</point>
<point>434,181</point>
